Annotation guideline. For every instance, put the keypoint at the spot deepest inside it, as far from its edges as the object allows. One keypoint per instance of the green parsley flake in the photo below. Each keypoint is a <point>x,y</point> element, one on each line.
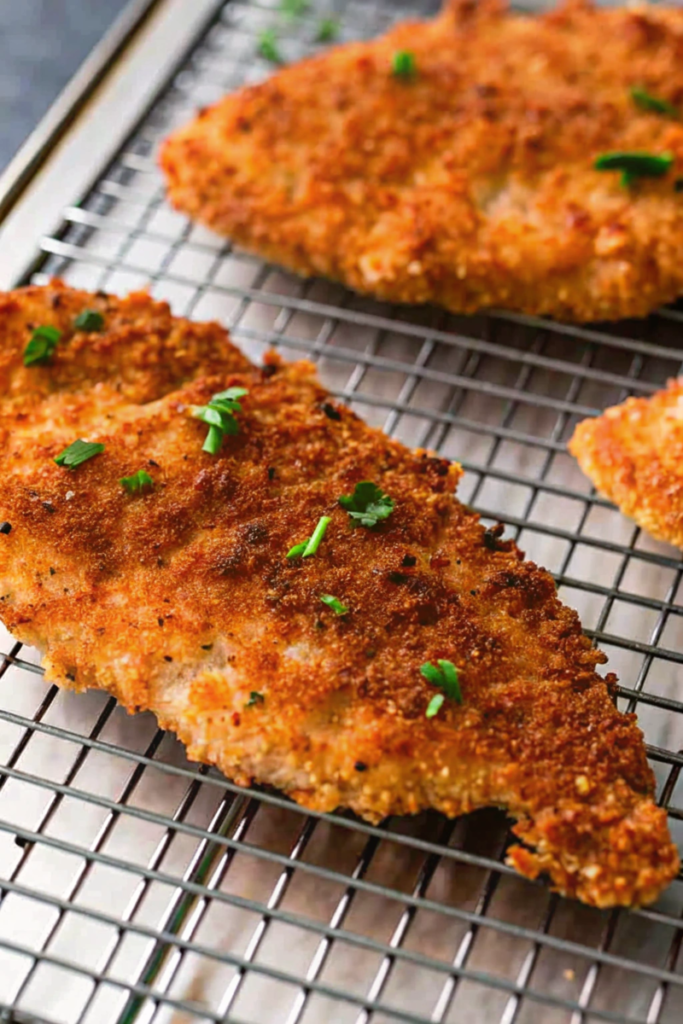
<point>255,698</point>
<point>89,320</point>
<point>267,46</point>
<point>294,8</point>
<point>646,101</point>
<point>310,546</point>
<point>334,603</point>
<point>444,675</point>
<point>219,414</point>
<point>42,345</point>
<point>137,482</point>
<point>434,705</point>
<point>78,452</point>
<point>635,165</point>
<point>403,64</point>
<point>298,549</point>
<point>316,537</point>
<point>368,504</point>
<point>431,673</point>
<point>328,30</point>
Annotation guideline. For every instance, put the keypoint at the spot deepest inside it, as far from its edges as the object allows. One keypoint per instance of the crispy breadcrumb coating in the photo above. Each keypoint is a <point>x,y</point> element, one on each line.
<point>470,183</point>
<point>633,453</point>
<point>181,599</point>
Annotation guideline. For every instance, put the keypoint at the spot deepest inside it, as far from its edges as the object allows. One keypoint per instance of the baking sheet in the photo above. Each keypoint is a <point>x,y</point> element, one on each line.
<point>301,918</point>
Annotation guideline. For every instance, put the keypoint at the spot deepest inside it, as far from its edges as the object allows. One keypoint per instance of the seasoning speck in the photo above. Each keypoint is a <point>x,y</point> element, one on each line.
<point>5,527</point>
<point>397,577</point>
<point>331,412</point>
<point>492,535</point>
<point>582,784</point>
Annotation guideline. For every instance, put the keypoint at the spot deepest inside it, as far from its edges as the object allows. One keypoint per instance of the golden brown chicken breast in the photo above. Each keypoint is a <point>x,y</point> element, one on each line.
<point>300,598</point>
<point>633,453</point>
<point>454,161</point>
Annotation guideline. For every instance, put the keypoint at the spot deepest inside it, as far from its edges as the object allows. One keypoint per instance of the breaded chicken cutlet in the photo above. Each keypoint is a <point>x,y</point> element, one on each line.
<point>633,453</point>
<point>384,654</point>
<point>452,161</point>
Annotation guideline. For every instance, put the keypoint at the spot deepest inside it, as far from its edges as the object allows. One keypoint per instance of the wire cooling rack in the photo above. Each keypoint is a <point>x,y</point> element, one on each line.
<point>140,889</point>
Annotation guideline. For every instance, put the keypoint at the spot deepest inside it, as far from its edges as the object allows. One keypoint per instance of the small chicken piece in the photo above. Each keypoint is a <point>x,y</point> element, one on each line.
<point>633,453</point>
<point>468,180</point>
<point>181,599</point>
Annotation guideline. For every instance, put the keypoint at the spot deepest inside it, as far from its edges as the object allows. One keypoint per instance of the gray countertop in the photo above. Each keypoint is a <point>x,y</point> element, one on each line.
<point>42,44</point>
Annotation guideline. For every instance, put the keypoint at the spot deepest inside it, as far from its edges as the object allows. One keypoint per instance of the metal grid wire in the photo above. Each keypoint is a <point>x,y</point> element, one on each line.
<point>140,888</point>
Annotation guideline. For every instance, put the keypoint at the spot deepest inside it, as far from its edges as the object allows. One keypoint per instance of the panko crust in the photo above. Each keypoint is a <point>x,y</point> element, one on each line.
<point>633,453</point>
<point>182,600</point>
<point>470,185</point>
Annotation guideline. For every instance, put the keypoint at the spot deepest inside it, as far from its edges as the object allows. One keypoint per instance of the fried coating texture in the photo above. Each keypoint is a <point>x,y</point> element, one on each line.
<point>469,185</point>
<point>181,600</point>
<point>633,453</point>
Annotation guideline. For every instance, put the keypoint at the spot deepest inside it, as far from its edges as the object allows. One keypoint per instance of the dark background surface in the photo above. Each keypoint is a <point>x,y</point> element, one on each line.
<point>42,44</point>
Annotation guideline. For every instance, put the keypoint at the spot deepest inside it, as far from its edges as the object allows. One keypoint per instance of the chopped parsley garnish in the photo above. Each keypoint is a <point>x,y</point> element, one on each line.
<point>294,8</point>
<point>137,482</point>
<point>635,165</point>
<point>334,603</point>
<point>316,537</point>
<point>298,549</point>
<point>403,64</point>
<point>267,46</point>
<point>434,705</point>
<point>368,504</point>
<point>255,698</point>
<point>310,546</point>
<point>219,414</point>
<point>444,675</point>
<point>89,320</point>
<point>78,452</point>
<point>42,344</point>
<point>328,30</point>
<point>646,101</point>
